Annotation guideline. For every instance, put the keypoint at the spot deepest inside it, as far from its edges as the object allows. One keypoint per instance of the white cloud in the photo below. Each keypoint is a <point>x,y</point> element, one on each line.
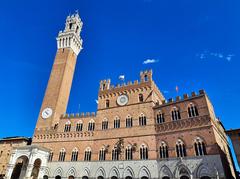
<point>202,56</point>
<point>214,55</point>
<point>165,91</point>
<point>220,55</point>
<point>229,58</point>
<point>96,101</point>
<point>147,61</point>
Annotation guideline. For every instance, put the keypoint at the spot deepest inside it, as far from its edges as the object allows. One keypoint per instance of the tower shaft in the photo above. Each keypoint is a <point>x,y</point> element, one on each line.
<point>69,44</point>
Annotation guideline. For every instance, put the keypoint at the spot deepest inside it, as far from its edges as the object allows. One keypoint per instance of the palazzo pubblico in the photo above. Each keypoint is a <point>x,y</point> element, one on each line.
<point>135,132</point>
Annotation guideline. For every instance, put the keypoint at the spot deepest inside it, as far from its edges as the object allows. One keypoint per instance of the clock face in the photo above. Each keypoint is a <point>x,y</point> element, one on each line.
<point>122,100</point>
<point>46,113</point>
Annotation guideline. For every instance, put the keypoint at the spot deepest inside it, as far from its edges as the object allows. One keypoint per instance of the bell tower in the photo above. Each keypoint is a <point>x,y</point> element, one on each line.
<point>69,44</point>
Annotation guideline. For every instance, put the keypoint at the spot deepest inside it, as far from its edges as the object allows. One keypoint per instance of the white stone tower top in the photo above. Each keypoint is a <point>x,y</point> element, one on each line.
<point>70,37</point>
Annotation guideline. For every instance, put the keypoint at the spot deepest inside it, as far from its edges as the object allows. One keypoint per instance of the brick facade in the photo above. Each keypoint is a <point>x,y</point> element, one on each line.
<point>188,128</point>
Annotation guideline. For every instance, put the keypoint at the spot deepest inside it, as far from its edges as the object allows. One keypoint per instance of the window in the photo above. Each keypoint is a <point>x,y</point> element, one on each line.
<point>62,154</point>
<point>199,146</point>
<point>102,154</point>
<point>129,153</point>
<point>117,122</point>
<point>79,126</point>
<point>88,153</point>
<point>115,153</point>
<point>91,125</point>
<point>50,157</point>
<point>175,114</point>
<point>70,26</point>
<point>67,127</point>
<point>192,110</point>
<point>105,124</point>
<point>107,103</point>
<point>145,78</point>
<point>180,149</point>
<point>163,150</point>
<point>77,29</point>
<point>74,155</point>
<point>142,120</point>
<point>160,117</point>
<point>140,97</point>
<point>143,152</point>
<point>129,121</point>
<point>103,86</point>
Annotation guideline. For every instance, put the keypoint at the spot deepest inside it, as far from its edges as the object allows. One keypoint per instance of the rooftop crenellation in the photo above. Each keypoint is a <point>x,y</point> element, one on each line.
<point>78,115</point>
<point>185,97</point>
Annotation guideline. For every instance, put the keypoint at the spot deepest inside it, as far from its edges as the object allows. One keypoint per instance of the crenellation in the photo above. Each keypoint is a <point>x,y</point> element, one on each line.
<point>202,92</point>
<point>185,96</point>
<point>193,94</point>
<point>78,115</point>
<point>129,83</point>
<point>178,98</point>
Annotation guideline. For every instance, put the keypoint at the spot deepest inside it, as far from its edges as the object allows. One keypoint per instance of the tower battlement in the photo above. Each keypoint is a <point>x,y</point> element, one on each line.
<point>70,37</point>
<point>145,77</point>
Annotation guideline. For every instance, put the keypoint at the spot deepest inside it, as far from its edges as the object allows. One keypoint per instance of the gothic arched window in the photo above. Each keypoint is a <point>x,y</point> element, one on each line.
<point>74,155</point>
<point>129,153</point>
<point>62,154</point>
<point>116,122</point>
<point>140,97</point>
<point>175,114</point>
<point>163,150</point>
<point>50,157</point>
<point>143,152</point>
<point>192,110</point>
<point>67,126</point>
<point>102,154</point>
<point>160,117</point>
<point>87,154</point>
<point>180,149</point>
<point>115,153</point>
<point>107,103</point>
<point>104,124</point>
<point>142,120</point>
<point>199,146</point>
<point>145,78</point>
<point>91,125</point>
<point>79,126</point>
<point>129,121</point>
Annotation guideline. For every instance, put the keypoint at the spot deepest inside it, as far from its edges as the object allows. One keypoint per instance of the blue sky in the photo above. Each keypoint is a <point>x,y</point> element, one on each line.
<point>194,44</point>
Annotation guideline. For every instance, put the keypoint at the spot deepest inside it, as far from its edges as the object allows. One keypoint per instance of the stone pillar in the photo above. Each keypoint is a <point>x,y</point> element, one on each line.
<point>9,171</point>
<point>41,172</point>
<point>29,171</point>
<point>23,171</point>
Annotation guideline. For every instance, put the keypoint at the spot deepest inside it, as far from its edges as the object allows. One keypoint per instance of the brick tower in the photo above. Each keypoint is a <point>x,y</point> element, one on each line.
<point>69,44</point>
